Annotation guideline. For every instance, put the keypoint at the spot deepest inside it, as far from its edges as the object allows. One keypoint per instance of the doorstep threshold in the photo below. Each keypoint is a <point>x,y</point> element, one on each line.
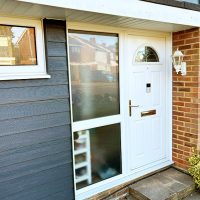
<point>169,184</point>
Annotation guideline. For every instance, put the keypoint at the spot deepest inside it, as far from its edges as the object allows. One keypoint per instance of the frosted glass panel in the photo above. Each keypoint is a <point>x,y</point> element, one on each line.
<point>94,74</point>
<point>97,154</point>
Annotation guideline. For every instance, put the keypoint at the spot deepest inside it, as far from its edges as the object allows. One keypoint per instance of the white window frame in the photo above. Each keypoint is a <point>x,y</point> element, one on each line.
<point>26,71</point>
<point>101,121</point>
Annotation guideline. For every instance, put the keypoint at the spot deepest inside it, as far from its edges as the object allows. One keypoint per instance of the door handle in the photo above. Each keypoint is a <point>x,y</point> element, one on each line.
<point>130,107</point>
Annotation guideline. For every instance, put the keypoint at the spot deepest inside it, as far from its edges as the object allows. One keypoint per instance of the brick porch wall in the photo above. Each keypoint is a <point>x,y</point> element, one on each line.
<point>186,93</point>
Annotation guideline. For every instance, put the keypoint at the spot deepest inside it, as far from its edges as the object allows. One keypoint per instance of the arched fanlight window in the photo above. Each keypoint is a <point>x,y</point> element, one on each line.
<point>146,54</point>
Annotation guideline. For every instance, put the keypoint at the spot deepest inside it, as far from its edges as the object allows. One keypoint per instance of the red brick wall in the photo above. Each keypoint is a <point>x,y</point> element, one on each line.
<point>186,93</point>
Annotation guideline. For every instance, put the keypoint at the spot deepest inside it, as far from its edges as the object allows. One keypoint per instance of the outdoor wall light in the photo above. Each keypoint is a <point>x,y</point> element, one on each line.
<point>178,63</point>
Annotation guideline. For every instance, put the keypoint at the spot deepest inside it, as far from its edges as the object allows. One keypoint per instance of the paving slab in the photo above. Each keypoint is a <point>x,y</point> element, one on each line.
<point>166,185</point>
<point>130,197</point>
<point>177,176</point>
<point>193,196</point>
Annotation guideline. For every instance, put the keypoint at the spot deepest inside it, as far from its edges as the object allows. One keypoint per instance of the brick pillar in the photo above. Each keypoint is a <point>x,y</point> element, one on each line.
<point>186,93</point>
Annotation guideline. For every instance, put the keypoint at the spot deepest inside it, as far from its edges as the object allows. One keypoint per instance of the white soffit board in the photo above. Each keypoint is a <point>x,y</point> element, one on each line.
<point>16,8</point>
<point>129,8</point>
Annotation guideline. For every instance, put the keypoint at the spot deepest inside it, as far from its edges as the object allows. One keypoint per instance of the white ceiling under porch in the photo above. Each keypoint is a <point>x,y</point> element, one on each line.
<point>24,9</point>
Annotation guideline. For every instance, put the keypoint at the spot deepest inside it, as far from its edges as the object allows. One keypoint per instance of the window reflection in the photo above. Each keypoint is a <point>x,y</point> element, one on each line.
<point>17,45</point>
<point>94,74</point>
<point>97,154</point>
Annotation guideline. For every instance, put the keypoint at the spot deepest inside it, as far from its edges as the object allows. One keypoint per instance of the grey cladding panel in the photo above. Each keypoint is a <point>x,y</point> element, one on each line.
<point>60,195</point>
<point>33,108</point>
<point>56,49</point>
<point>34,166</point>
<point>56,34</point>
<point>44,191</point>
<point>9,127</point>
<point>14,95</point>
<point>35,130</point>
<point>57,63</point>
<point>57,77</point>
<point>25,183</point>
<point>27,153</point>
<point>15,141</point>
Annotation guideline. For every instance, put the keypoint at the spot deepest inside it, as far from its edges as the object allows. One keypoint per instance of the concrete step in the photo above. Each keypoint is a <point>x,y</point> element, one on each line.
<point>193,196</point>
<point>170,184</point>
<point>130,197</point>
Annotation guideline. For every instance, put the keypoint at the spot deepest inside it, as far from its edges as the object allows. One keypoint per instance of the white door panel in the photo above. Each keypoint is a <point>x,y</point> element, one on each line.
<point>146,133</point>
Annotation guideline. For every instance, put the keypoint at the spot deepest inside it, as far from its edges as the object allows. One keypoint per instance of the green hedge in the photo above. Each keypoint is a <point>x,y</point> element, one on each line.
<point>194,169</point>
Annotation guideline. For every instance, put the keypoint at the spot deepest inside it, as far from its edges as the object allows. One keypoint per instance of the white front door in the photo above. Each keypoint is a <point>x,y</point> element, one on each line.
<point>147,100</point>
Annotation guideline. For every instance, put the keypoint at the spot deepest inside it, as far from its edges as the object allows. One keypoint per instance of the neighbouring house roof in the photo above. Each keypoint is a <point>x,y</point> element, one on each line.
<point>77,41</point>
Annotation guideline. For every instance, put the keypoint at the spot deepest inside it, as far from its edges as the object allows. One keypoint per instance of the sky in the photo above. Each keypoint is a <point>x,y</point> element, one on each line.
<point>17,32</point>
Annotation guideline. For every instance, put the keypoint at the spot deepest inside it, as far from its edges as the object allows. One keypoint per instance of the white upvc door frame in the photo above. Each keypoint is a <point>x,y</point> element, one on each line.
<point>127,174</point>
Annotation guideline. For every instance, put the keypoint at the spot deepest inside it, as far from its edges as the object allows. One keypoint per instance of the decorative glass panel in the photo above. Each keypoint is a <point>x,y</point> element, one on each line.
<point>17,45</point>
<point>146,54</point>
<point>94,74</point>
<point>97,154</point>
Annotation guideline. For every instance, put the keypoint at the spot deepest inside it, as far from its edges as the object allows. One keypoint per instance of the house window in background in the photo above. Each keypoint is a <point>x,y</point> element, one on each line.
<point>17,45</point>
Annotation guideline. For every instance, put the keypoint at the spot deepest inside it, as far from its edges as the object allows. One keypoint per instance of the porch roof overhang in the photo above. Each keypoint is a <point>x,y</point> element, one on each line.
<point>128,14</point>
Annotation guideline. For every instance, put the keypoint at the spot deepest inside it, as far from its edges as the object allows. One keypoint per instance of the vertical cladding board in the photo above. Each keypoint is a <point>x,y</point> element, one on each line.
<point>56,55</point>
